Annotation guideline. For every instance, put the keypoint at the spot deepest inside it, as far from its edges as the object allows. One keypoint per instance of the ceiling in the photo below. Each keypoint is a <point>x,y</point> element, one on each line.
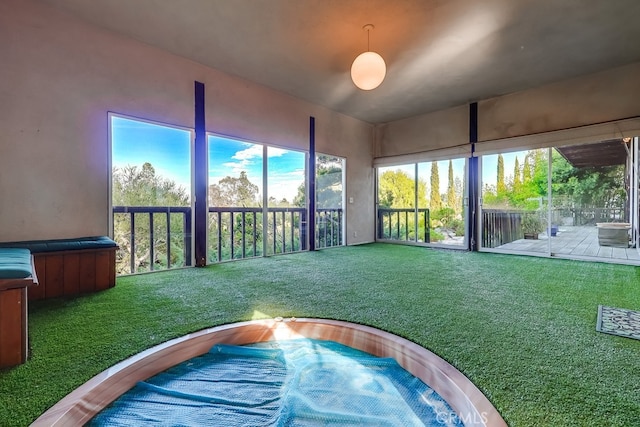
<point>439,53</point>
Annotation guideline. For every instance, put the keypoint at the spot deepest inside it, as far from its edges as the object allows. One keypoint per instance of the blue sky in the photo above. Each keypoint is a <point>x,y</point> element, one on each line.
<point>168,148</point>
<point>228,157</point>
<point>135,142</point>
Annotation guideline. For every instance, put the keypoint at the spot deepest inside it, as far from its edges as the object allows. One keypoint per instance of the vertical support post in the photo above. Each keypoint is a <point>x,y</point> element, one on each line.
<point>472,212</point>
<point>311,224</point>
<point>200,173</point>
<point>186,238</point>
<point>232,224</point>
<point>265,202</point>
<point>152,254</point>
<point>132,243</point>
<point>219,224</point>
<point>168,219</point>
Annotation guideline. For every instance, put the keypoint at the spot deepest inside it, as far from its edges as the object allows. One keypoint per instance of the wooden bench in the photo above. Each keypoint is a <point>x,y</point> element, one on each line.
<point>68,267</point>
<point>17,273</point>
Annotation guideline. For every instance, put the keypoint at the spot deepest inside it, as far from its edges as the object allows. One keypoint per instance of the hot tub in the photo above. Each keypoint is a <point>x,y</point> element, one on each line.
<point>471,406</point>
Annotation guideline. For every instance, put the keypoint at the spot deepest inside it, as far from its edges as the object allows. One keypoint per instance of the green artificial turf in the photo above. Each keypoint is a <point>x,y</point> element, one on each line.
<point>521,328</point>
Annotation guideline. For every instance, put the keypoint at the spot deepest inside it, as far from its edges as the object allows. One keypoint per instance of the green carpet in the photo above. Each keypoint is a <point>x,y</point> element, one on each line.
<point>618,321</point>
<point>521,328</point>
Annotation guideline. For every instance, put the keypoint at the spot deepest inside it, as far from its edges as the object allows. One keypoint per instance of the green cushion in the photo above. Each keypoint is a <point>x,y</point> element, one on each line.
<point>55,245</point>
<point>15,263</point>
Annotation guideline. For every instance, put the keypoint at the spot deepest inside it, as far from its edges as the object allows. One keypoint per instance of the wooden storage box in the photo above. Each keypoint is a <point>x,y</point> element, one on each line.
<point>16,275</point>
<point>68,273</point>
<point>68,267</point>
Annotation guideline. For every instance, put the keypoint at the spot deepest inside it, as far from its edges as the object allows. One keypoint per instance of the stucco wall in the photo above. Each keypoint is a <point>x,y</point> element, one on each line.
<point>607,96</point>
<point>437,130</point>
<point>60,77</point>
<point>597,98</point>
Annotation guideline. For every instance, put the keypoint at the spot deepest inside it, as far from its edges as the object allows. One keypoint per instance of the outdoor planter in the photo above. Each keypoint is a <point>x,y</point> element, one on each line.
<point>531,225</point>
<point>615,234</point>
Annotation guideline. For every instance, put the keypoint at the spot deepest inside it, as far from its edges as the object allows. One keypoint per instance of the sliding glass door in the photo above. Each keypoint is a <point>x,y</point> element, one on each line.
<point>513,202</point>
<point>423,203</point>
<point>330,174</point>
<point>572,201</point>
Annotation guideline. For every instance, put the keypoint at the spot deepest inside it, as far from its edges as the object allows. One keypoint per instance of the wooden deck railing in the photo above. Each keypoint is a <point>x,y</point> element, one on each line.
<point>500,227</point>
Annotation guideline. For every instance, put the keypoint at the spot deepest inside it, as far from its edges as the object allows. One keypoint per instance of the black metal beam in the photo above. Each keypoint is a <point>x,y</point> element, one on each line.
<point>311,224</point>
<point>200,174</point>
<point>473,192</point>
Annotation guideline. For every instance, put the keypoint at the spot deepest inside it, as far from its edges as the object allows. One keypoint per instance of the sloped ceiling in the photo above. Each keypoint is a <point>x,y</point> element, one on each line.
<point>439,53</point>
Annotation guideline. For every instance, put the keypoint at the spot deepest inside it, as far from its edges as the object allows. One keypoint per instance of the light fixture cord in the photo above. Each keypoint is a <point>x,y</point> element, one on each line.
<point>368,48</point>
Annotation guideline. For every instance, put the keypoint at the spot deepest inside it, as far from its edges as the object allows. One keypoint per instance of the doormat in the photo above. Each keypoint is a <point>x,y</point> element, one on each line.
<point>618,321</point>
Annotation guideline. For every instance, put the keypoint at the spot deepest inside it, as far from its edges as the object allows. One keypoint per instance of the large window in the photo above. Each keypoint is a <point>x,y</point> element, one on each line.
<point>151,194</point>
<point>444,196</point>
<point>423,203</point>
<point>256,199</point>
<point>330,222</point>
<point>235,199</point>
<point>286,226</point>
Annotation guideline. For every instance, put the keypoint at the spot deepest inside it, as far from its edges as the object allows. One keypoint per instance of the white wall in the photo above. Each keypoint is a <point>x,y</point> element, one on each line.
<point>60,77</point>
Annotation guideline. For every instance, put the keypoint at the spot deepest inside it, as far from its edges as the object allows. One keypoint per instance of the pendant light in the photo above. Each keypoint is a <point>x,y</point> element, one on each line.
<point>368,69</point>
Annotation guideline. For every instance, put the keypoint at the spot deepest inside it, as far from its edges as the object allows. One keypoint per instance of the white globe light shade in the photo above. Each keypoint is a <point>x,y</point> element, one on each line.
<point>368,70</point>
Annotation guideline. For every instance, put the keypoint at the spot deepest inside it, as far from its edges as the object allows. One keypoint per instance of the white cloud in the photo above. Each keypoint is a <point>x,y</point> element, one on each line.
<point>254,151</point>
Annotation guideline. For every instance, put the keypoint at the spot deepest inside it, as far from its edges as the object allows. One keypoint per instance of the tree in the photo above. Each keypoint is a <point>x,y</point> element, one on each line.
<point>588,187</point>
<point>526,169</point>
<point>234,192</point>
<point>517,182</point>
<point>501,187</point>
<point>133,186</point>
<point>142,187</point>
<point>396,189</point>
<point>328,184</point>
<point>452,200</point>
<point>436,200</point>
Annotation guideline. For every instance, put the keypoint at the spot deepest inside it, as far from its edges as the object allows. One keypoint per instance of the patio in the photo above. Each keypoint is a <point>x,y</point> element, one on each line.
<point>574,241</point>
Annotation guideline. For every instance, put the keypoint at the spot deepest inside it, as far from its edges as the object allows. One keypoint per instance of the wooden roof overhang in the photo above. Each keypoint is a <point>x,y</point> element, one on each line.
<point>604,153</point>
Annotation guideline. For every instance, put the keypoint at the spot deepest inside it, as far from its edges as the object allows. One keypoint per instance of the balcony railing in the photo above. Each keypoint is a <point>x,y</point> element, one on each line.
<point>154,238</point>
<point>328,228</point>
<point>400,224</point>
<point>236,233</point>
